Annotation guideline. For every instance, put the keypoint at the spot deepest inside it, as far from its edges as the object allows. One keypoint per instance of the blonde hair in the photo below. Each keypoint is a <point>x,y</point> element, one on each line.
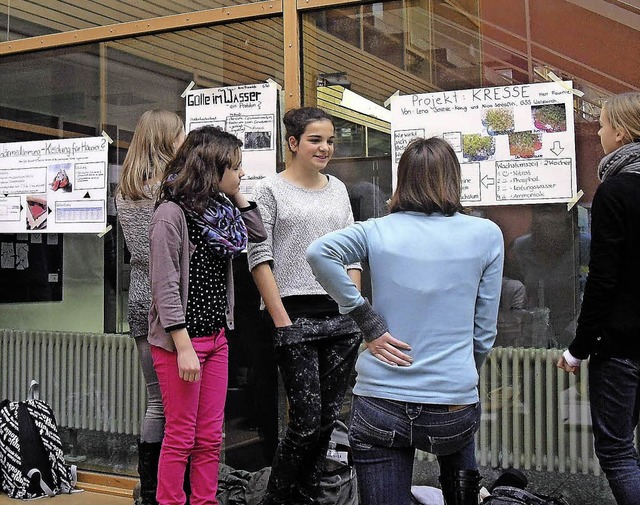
<point>623,112</point>
<point>152,147</point>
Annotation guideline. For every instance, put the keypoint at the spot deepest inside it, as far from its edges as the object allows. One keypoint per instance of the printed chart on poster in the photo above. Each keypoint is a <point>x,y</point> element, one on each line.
<point>53,186</point>
<point>249,112</point>
<point>515,144</point>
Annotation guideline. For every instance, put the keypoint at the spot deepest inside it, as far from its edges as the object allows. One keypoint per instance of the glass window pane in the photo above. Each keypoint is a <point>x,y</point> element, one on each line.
<point>48,95</point>
<point>422,46</point>
<point>152,72</point>
<point>27,19</point>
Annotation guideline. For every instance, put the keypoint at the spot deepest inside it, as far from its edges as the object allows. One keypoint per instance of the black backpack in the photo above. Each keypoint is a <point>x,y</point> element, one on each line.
<point>31,457</point>
<point>508,495</point>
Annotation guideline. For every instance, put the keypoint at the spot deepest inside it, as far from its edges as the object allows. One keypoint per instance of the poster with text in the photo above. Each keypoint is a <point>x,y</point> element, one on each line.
<point>53,186</point>
<point>515,144</point>
<point>249,112</point>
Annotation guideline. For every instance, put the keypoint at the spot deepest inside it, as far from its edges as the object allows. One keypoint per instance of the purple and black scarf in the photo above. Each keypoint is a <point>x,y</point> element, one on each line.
<point>222,227</point>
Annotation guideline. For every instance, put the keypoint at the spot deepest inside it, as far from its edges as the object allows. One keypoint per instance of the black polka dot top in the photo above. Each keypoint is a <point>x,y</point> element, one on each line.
<point>207,297</point>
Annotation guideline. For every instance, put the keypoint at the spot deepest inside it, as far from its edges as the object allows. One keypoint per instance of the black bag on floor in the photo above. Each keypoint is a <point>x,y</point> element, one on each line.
<point>337,487</point>
<point>507,495</point>
<point>31,457</point>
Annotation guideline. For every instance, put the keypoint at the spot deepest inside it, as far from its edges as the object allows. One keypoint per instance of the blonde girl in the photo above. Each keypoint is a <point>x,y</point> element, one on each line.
<point>157,136</point>
<point>609,322</point>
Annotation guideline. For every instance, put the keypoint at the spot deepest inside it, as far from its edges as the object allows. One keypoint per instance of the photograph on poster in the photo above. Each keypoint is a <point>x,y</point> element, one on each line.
<point>37,211</point>
<point>60,179</point>
<point>257,140</point>
<point>550,118</point>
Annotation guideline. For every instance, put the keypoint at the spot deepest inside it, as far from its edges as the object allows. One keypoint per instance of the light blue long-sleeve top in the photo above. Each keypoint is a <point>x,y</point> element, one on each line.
<point>436,281</point>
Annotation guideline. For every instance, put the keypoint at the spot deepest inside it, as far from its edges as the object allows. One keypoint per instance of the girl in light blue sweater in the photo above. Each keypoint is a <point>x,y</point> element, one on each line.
<point>436,277</point>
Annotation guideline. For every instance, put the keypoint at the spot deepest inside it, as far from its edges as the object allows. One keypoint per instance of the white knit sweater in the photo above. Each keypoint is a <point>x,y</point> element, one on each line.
<point>294,217</point>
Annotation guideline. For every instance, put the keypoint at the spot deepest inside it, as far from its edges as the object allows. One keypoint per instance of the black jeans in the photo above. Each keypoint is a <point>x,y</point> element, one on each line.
<point>315,356</point>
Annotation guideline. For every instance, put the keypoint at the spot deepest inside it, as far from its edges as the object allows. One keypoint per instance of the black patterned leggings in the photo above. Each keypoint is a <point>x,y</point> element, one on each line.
<point>315,357</point>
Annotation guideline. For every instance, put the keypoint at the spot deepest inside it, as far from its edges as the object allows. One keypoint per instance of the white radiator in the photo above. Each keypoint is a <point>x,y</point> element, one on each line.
<point>534,416</point>
<point>92,381</point>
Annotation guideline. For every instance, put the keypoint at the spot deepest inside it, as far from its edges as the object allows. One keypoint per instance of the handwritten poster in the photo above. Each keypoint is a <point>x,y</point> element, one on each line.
<point>53,186</point>
<point>249,112</point>
<point>515,144</point>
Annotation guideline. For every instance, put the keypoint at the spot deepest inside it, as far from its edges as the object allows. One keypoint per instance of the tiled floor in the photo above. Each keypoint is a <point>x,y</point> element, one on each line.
<point>84,498</point>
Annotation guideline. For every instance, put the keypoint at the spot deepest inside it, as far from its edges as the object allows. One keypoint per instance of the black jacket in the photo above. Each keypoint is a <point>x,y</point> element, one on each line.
<point>609,322</point>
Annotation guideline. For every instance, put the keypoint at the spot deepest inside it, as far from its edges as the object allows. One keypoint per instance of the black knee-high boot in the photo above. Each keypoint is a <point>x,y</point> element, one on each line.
<point>467,484</point>
<point>462,487</point>
<point>148,456</point>
<point>187,482</point>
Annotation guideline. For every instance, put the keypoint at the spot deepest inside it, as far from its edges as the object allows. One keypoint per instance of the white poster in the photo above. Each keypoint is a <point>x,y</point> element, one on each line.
<point>249,112</point>
<point>53,186</point>
<point>515,144</point>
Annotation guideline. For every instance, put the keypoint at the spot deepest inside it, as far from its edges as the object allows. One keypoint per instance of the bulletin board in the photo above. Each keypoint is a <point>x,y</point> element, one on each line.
<point>515,144</point>
<point>53,186</point>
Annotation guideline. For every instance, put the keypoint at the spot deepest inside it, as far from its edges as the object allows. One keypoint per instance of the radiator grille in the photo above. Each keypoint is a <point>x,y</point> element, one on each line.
<point>535,416</point>
<point>92,381</point>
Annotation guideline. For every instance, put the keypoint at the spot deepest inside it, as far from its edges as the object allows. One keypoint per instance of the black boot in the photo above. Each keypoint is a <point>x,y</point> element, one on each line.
<point>448,489</point>
<point>461,488</point>
<point>148,456</point>
<point>187,482</point>
<point>467,484</point>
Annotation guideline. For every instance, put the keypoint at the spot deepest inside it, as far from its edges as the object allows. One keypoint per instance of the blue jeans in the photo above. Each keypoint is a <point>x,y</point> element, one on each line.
<point>614,393</point>
<point>384,435</point>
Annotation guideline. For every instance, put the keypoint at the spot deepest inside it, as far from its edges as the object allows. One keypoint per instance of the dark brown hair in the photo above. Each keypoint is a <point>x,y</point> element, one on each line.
<point>193,176</point>
<point>428,178</point>
<point>296,121</point>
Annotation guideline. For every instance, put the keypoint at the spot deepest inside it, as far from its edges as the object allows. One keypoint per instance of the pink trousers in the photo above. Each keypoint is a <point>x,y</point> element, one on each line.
<point>194,413</point>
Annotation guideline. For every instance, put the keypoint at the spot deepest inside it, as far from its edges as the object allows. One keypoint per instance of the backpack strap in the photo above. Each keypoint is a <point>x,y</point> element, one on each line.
<point>34,390</point>
<point>43,485</point>
<point>73,480</point>
<point>522,495</point>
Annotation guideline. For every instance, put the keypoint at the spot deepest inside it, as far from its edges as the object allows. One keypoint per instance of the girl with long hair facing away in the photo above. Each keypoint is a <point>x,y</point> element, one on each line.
<point>201,223</point>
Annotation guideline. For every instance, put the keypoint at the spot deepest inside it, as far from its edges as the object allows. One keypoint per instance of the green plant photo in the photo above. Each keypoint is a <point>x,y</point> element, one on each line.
<point>499,121</point>
<point>524,144</point>
<point>550,118</point>
<point>476,147</point>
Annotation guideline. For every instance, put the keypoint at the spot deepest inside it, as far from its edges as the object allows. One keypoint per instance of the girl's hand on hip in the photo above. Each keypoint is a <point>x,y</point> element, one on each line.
<point>388,350</point>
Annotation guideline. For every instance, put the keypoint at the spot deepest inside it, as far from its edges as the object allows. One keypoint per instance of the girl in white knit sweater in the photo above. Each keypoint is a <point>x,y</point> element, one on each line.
<point>315,346</point>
